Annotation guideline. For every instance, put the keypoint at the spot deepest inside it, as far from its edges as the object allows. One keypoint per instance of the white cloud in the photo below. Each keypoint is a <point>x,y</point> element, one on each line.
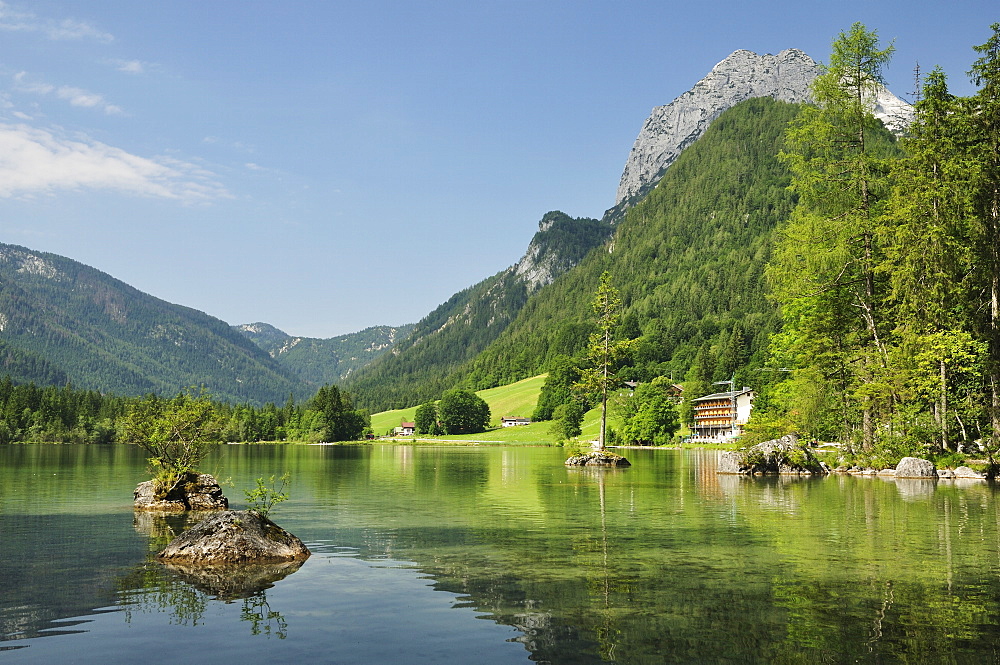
<point>15,20</point>
<point>131,66</point>
<point>75,96</point>
<point>34,161</point>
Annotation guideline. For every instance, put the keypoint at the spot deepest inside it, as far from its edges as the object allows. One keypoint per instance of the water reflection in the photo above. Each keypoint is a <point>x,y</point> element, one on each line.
<point>662,562</point>
<point>184,591</point>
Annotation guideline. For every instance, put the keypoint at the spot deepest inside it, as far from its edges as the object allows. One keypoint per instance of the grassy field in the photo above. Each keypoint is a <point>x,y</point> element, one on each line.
<point>517,399</point>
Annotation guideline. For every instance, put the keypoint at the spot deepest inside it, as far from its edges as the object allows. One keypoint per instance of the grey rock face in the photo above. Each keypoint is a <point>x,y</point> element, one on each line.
<point>914,467</point>
<point>784,456</point>
<point>671,128</point>
<point>966,472</point>
<point>234,536</point>
<point>199,492</point>
<point>743,75</point>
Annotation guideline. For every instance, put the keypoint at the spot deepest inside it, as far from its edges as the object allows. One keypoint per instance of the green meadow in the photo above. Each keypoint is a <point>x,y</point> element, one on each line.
<point>514,400</point>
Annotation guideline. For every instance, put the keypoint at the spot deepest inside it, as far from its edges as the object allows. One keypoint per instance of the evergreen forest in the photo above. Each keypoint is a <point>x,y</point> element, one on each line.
<point>65,414</point>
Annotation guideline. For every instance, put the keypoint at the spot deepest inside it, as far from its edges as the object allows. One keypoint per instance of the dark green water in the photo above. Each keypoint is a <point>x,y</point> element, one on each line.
<point>502,555</point>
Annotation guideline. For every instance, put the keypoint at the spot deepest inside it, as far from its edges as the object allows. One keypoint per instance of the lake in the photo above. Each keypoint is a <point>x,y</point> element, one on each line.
<point>502,555</point>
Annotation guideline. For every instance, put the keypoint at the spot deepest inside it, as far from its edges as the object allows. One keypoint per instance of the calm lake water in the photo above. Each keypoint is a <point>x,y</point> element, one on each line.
<point>502,555</point>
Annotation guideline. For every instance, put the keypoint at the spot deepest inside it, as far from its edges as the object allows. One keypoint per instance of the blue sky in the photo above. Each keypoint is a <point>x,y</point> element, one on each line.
<point>327,166</point>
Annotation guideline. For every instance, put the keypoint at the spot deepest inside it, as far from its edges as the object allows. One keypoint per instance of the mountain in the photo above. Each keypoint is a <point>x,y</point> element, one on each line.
<point>421,367</point>
<point>324,361</point>
<point>743,75</point>
<point>686,245</point>
<point>62,321</point>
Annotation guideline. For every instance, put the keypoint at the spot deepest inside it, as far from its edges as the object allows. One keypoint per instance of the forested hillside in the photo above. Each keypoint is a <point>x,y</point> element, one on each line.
<point>61,320</point>
<point>322,361</point>
<point>425,364</point>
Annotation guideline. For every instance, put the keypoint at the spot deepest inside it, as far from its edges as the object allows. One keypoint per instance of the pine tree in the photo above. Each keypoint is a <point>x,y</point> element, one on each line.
<point>603,351</point>
<point>928,240</point>
<point>824,266</point>
<point>983,113</point>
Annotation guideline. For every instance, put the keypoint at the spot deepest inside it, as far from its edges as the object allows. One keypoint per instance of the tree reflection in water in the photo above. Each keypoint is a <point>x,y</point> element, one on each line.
<point>185,590</point>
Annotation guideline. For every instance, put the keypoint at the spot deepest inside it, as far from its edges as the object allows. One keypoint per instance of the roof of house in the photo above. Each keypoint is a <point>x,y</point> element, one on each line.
<point>728,395</point>
<point>406,424</point>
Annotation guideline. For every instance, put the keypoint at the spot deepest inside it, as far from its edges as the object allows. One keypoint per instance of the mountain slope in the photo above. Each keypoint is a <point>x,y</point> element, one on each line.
<point>101,333</point>
<point>688,261</point>
<point>421,367</point>
<point>324,361</point>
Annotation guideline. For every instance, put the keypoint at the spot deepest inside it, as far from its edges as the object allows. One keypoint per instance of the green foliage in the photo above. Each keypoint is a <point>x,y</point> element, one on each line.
<point>265,496</point>
<point>604,352</point>
<point>567,419</point>
<point>463,412</point>
<point>339,420</point>
<point>176,434</point>
<point>563,374</point>
<point>426,420</point>
<point>888,272</point>
<point>649,416</point>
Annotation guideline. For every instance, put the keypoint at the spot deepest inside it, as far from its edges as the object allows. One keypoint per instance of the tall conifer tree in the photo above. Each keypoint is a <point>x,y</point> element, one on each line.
<point>824,266</point>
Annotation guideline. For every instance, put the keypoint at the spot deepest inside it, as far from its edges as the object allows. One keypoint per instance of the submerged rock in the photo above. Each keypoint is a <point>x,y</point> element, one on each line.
<point>784,456</point>
<point>199,491</point>
<point>598,458</point>
<point>234,536</point>
<point>915,467</point>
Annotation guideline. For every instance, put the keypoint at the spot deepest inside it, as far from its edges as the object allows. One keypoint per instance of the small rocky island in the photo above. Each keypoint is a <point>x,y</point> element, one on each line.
<point>234,536</point>
<point>196,491</point>
<point>598,458</point>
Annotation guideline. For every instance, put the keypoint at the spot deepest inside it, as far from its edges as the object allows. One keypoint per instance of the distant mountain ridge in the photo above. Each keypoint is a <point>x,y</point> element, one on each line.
<point>63,320</point>
<point>324,361</point>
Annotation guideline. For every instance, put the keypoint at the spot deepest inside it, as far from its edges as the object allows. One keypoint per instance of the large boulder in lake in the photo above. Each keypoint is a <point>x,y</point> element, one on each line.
<point>598,458</point>
<point>234,536</point>
<point>914,467</point>
<point>197,491</point>
<point>784,456</point>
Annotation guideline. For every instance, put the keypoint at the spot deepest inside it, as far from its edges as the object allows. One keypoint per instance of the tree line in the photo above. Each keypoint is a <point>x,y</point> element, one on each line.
<point>65,414</point>
<point>887,271</point>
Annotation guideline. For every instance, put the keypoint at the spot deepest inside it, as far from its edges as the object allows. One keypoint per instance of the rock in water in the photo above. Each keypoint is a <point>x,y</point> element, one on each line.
<point>966,472</point>
<point>234,536</point>
<point>200,492</point>
<point>598,458</point>
<point>784,456</point>
<point>914,467</point>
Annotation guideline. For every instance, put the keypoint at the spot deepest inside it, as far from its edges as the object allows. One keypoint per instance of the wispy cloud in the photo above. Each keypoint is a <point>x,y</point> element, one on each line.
<point>18,20</point>
<point>131,66</point>
<point>39,161</point>
<point>75,96</point>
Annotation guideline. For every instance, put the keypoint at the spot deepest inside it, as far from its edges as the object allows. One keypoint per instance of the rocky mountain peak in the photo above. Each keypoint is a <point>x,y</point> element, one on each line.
<point>742,75</point>
<point>671,128</point>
